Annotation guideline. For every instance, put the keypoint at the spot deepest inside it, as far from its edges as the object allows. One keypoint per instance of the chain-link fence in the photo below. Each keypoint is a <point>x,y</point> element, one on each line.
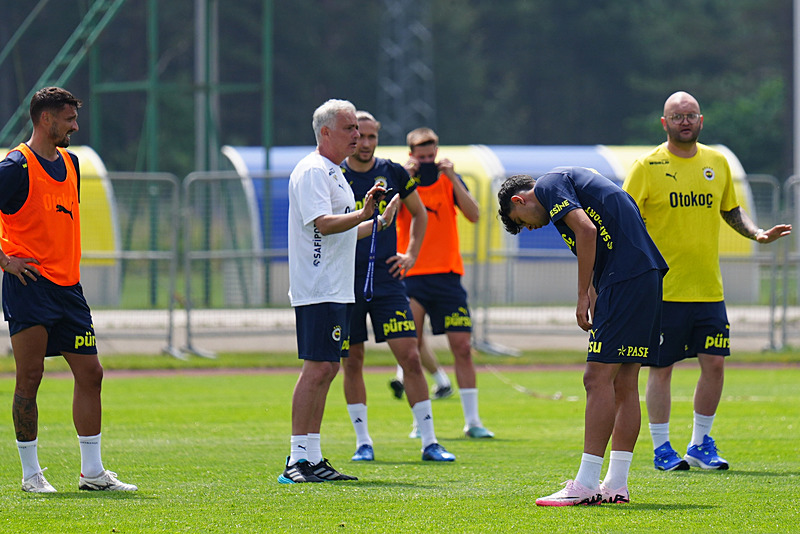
<point>180,264</point>
<point>130,282</point>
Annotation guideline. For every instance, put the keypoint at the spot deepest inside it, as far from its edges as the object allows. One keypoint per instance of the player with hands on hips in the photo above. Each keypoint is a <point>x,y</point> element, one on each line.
<point>383,297</point>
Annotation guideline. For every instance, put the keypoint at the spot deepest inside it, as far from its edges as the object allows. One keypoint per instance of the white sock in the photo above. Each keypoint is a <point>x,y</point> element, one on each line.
<point>358,416</point>
<point>660,433</point>
<point>29,456</point>
<point>589,471</point>
<point>469,404</point>
<point>441,378</point>
<point>314,448</point>
<point>423,416</point>
<point>299,449</point>
<point>399,373</point>
<point>701,427</point>
<point>619,464</point>
<point>91,464</point>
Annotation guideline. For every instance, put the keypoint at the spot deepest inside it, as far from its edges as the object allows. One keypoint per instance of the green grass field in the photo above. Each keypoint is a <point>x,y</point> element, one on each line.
<point>205,450</point>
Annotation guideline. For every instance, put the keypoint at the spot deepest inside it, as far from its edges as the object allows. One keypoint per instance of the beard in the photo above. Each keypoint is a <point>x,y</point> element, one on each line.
<point>675,133</point>
<point>61,141</point>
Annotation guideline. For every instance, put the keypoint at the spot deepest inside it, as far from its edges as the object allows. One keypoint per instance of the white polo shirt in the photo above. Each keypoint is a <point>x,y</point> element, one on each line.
<point>321,267</point>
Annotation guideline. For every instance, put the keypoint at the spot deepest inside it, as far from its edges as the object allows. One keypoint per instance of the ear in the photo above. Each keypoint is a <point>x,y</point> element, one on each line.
<point>516,199</point>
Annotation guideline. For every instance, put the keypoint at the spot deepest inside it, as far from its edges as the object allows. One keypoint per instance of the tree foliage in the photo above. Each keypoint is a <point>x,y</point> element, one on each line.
<point>516,72</point>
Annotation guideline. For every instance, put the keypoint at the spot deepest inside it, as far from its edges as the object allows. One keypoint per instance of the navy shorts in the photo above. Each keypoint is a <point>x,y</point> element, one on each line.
<point>390,315</point>
<point>626,327</point>
<point>323,331</point>
<point>444,300</point>
<point>62,310</point>
<point>692,328</point>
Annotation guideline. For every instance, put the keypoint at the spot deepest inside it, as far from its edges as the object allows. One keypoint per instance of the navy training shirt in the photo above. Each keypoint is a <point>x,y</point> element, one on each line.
<point>624,248</point>
<point>389,175</point>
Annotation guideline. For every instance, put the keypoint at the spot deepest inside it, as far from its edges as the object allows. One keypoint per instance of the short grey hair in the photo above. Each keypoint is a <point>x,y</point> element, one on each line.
<point>325,115</point>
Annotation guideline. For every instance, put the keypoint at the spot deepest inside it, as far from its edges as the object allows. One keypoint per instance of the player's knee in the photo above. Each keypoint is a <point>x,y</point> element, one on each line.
<point>462,351</point>
<point>354,360</point>
<point>90,376</point>
<point>28,381</point>
<point>411,364</point>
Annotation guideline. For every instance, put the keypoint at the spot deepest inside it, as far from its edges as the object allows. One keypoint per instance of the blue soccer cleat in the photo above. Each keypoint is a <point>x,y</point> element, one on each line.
<point>668,460</point>
<point>706,455</point>
<point>364,454</point>
<point>436,453</point>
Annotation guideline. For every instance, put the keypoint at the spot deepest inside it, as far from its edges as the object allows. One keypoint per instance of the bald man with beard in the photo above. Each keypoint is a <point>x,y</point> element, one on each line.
<point>683,189</point>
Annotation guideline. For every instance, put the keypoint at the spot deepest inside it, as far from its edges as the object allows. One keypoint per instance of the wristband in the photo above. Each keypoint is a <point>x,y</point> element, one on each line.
<point>383,222</point>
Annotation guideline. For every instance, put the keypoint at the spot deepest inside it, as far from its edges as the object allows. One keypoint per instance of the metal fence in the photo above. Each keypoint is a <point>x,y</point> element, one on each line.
<point>207,258</point>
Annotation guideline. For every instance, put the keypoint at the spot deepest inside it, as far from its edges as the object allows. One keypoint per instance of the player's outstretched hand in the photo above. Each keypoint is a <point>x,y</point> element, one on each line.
<point>776,232</point>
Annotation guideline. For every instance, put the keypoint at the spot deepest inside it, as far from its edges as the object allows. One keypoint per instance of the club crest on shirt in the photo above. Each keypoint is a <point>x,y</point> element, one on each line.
<point>381,181</point>
<point>708,172</point>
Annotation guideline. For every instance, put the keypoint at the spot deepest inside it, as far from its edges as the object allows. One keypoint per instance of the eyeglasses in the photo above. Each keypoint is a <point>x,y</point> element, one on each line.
<point>691,118</point>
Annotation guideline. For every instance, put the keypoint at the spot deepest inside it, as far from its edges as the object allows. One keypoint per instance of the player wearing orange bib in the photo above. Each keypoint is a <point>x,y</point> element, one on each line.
<point>43,300</point>
<point>434,283</point>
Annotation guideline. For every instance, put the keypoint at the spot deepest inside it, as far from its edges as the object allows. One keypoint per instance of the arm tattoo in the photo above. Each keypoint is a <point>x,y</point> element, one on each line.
<point>738,219</point>
<point>26,418</point>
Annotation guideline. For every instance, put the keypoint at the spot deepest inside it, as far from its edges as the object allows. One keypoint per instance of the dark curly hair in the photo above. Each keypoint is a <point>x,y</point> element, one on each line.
<point>513,185</point>
<point>51,98</point>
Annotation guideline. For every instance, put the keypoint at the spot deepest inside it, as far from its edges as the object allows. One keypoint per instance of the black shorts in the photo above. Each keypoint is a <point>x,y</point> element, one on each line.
<point>692,328</point>
<point>390,315</point>
<point>323,331</point>
<point>444,300</point>
<point>62,310</point>
<point>626,327</point>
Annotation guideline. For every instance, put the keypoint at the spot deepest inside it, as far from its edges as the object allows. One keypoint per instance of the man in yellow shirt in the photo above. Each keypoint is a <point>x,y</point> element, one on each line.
<point>682,189</point>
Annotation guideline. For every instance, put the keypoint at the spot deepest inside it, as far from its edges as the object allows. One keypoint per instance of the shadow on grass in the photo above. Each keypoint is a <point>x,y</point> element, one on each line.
<point>738,472</point>
<point>117,495</point>
<point>644,506</point>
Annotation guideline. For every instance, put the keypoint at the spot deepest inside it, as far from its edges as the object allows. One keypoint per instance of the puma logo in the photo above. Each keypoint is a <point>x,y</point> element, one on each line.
<point>62,209</point>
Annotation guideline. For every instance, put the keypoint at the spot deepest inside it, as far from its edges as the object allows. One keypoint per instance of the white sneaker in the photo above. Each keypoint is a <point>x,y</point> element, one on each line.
<point>37,483</point>
<point>414,434</point>
<point>573,493</point>
<point>107,481</point>
<point>610,496</point>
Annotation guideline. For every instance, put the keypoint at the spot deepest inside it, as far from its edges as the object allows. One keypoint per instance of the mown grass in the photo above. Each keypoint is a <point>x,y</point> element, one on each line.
<point>205,450</point>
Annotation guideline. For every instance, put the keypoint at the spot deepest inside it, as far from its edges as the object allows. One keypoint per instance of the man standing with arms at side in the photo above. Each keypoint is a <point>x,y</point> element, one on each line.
<point>664,184</point>
<point>324,226</point>
<point>434,283</point>
<point>385,299</point>
<point>43,299</point>
<point>620,273</point>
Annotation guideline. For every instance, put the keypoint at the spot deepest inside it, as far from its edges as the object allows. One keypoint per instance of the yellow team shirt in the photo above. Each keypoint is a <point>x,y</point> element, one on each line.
<point>680,200</point>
